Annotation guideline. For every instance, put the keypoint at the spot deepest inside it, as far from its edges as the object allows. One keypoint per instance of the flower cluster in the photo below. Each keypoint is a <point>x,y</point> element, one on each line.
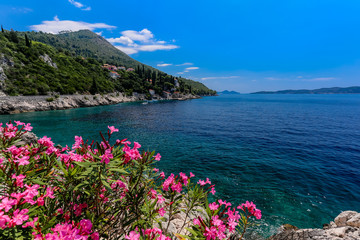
<point>98,190</point>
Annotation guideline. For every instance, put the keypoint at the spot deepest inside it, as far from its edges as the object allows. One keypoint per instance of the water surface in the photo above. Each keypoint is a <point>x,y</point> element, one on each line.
<point>296,156</point>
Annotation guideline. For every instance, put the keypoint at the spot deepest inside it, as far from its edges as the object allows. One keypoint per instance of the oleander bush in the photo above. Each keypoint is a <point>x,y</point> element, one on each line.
<point>104,191</point>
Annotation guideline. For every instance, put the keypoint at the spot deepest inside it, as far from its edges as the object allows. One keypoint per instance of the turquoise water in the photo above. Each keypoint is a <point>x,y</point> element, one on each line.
<point>296,156</point>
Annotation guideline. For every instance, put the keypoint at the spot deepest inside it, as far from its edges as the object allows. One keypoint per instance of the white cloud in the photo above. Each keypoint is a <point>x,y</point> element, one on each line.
<point>80,5</point>
<point>191,68</point>
<point>321,79</point>
<point>21,10</point>
<point>127,50</point>
<point>226,77</point>
<point>155,47</point>
<point>164,64</point>
<point>272,78</point>
<point>142,36</point>
<point>139,41</point>
<point>180,73</point>
<point>55,26</point>
<point>185,64</point>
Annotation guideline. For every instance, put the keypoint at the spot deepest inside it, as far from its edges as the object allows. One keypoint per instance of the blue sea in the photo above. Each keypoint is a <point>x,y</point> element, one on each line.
<point>297,157</point>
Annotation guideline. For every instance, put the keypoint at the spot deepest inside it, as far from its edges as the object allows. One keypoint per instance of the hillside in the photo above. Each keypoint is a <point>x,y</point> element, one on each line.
<point>333,90</point>
<point>86,44</point>
<point>34,63</point>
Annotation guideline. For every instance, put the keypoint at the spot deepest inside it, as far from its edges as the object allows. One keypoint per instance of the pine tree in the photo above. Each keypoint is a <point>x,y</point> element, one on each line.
<point>27,41</point>
<point>94,88</point>
<point>2,29</point>
<point>13,36</point>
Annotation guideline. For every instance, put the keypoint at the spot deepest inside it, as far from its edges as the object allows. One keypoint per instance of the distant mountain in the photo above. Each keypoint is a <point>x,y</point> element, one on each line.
<point>333,90</point>
<point>228,92</point>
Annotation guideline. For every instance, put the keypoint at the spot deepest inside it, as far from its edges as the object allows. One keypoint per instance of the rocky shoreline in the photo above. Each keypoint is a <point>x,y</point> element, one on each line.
<point>346,226</point>
<point>20,104</point>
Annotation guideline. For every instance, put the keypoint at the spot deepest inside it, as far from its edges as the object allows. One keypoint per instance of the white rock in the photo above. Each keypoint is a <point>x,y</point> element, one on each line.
<point>339,232</point>
<point>343,217</point>
<point>354,221</point>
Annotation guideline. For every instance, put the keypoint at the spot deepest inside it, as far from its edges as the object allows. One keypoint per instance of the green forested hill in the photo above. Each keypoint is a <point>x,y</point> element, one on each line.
<point>37,63</point>
<point>86,44</point>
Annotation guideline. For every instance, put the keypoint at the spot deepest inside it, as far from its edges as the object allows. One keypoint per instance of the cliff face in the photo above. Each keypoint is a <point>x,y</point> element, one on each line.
<point>346,226</point>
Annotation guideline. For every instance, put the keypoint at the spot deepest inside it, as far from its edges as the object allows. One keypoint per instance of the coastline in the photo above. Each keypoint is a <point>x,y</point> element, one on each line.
<point>21,104</point>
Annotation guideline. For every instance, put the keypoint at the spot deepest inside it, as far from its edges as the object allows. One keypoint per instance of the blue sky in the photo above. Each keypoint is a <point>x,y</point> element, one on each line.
<point>242,45</point>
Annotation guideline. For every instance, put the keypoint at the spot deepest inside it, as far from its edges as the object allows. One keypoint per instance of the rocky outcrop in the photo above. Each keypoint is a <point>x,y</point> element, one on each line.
<point>47,59</point>
<point>19,104</point>
<point>346,226</point>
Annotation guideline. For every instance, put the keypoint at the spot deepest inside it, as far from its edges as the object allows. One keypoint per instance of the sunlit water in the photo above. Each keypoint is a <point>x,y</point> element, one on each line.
<point>296,156</point>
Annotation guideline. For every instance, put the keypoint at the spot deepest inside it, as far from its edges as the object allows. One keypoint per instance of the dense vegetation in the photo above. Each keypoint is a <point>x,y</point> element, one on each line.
<point>68,63</point>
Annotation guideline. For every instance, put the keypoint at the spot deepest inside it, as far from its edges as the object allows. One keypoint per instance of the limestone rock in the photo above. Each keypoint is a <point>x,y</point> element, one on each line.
<point>354,221</point>
<point>343,217</point>
<point>47,59</point>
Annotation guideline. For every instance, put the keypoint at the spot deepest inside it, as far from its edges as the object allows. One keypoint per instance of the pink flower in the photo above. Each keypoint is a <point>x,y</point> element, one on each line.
<point>95,236</point>
<point>201,182</point>
<point>162,175</point>
<point>7,204</point>
<point>192,175</point>
<point>161,199</point>
<point>133,236</point>
<point>4,219</point>
<point>107,156</point>
<point>49,193</point>
<point>40,201</point>
<point>177,187</point>
<point>162,212</point>
<point>112,129</point>
<point>19,217</point>
<point>197,222</point>
<point>30,224</point>
<point>168,182</point>
<point>257,214</point>
<point>78,142</point>
<point>137,145</point>
<point>157,157</point>
<point>85,226</point>
<point>19,123</point>
<point>23,161</point>
<point>213,206</point>
<point>19,180</point>
<point>27,127</point>
<point>156,170</point>
<point>213,191</point>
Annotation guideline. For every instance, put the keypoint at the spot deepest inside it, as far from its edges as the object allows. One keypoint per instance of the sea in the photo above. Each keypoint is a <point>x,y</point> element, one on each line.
<point>297,157</point>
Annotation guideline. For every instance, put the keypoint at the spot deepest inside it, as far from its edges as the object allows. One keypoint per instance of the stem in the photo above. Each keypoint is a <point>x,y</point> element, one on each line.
<point>247,218</point>
<point>186,216</point>
<point>170,211</point>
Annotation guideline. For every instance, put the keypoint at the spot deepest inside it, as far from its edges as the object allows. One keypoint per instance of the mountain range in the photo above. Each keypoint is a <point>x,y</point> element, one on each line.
<point>333,90</point>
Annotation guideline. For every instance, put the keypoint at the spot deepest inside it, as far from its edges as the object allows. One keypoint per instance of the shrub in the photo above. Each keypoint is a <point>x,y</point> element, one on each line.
<point>101,190</point>
<point>50,99</point>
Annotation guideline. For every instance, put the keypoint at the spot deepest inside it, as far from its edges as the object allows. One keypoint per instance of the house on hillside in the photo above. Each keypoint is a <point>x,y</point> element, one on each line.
<point>130,69</point>
<point>114,74</point>
<point>176,83</point>
<point>152,92</point>
<point>166,94</point>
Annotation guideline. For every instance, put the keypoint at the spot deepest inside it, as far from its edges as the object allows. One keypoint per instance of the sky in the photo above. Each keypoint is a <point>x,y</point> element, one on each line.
<point>241,45</point>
